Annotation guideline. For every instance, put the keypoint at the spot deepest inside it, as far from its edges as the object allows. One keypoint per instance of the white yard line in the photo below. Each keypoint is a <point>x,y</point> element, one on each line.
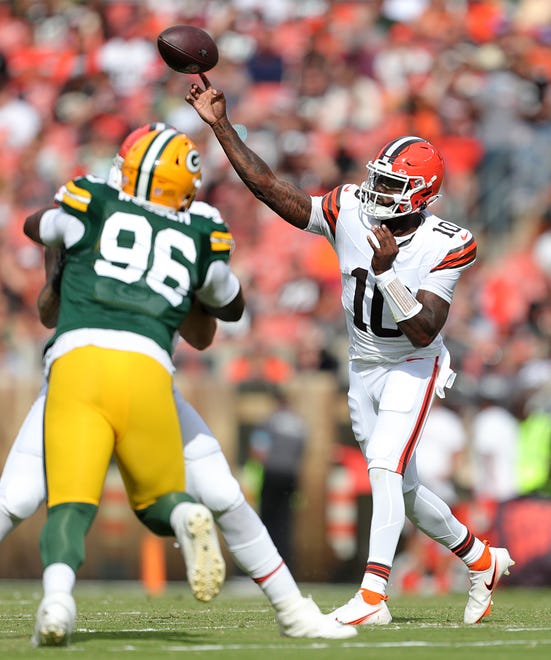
<point>358,645</point>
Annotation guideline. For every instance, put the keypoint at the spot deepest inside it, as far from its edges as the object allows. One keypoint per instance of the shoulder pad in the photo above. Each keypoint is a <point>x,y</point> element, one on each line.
<point>77,194</point>
<point>207,211</point>
<point>459,243</point>
<point>341,197</point>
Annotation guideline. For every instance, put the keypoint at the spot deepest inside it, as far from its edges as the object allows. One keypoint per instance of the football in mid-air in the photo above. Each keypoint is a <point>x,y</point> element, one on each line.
<point>187,49</point>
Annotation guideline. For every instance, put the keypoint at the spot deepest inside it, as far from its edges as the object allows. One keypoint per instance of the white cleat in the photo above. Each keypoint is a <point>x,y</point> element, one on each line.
<point>483,584</point>
<point>55,620</point>
<point>302,618</point>
<point>198,540</point>
<point>357,612</point>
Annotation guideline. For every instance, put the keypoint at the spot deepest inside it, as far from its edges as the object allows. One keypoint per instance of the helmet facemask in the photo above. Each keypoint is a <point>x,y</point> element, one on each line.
<point>386,194</point>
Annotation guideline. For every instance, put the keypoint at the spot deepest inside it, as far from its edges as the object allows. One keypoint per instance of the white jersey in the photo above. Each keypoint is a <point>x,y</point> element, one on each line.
<point>431,259</point>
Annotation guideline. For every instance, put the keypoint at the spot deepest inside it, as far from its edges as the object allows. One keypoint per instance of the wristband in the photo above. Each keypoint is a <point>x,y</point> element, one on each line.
<point>402,303</point>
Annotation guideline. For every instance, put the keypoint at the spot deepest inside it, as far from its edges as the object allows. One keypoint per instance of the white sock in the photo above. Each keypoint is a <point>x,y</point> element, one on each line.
<point>474,553</point>
<point>58,578</point>
<point>177,512</point>
<point>254,552</point>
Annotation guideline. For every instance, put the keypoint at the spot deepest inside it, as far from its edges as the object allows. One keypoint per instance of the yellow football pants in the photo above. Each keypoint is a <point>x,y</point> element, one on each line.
<point>102,401</point>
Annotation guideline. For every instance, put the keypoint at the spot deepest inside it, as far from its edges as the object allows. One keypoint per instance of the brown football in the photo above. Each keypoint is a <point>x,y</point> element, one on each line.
<point>187,49</point>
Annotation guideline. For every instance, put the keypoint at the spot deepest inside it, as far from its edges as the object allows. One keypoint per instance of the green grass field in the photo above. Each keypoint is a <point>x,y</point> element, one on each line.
<point>118,620</point>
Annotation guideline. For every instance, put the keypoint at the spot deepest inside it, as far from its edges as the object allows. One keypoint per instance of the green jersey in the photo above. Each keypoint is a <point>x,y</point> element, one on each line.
<point>131,266</point>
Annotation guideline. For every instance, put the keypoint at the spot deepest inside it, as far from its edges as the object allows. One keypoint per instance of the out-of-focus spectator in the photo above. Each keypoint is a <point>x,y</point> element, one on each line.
<point>257,366</point>
<point>440,455</point>
<point>279,445</point>
<point>494,442</point>
<point>128,55</point>
<point>20,122</point>
<point>533,458</point>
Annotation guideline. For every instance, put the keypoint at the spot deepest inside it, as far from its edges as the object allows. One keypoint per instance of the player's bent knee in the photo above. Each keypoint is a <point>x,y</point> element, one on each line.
<point>20,500</point>
<point>210,481</point>
<point>230,499</point>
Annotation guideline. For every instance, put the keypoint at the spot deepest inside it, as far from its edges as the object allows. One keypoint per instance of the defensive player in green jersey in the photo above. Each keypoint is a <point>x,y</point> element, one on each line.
<point>209,479</point>
<point>135,265</point>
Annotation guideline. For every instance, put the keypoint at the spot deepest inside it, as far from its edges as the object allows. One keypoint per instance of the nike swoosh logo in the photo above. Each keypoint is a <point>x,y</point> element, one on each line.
<point>357,622</point>
<point>464,236</point>
<point>492,581</point>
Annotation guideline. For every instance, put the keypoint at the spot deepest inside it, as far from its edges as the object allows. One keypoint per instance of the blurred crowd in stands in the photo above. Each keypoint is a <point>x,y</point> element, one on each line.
<point>319,86</point>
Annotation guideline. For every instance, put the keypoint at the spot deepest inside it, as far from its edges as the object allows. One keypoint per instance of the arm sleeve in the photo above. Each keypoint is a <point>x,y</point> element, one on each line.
<point>316,224</point>
<point>60,228</point>
<point>321,222</point>
<point>220,287</point>
<point>442,283</point>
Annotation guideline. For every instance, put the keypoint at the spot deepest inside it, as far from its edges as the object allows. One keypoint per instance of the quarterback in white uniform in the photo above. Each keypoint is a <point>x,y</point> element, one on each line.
<point>399,265</point>
<point>431,259</point>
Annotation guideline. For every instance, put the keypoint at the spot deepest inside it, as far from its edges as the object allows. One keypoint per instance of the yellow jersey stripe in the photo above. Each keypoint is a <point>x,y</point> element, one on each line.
<point>221,241</point>
<point>75,197</point>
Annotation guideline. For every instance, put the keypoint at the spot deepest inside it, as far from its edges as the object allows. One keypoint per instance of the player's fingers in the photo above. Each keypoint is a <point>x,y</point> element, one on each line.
<point>193,94</point>
<point>373,240</point>
<point>206,81</point>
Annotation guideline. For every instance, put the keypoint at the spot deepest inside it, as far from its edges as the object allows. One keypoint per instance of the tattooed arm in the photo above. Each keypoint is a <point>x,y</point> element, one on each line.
<point>288,201</point>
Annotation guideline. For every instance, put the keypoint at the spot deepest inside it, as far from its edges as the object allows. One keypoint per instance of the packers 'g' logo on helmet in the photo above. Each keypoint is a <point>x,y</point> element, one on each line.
<point>163,167</point>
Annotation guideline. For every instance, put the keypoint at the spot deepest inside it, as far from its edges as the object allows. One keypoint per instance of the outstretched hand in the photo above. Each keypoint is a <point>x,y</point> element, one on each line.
<point>209,103</point>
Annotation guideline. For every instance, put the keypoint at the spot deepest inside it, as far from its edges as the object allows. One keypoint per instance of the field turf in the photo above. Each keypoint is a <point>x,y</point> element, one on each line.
<point>116,619</point>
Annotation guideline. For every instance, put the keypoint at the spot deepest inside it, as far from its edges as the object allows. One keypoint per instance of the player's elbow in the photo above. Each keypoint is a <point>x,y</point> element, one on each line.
<point>421,339</point>
<point>202,343</point>
<point>231,312</point>
<point>201,339</point>
<point>422,343</point>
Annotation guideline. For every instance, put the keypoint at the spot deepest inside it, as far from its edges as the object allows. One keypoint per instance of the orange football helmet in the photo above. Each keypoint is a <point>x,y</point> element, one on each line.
<point>405,177</point>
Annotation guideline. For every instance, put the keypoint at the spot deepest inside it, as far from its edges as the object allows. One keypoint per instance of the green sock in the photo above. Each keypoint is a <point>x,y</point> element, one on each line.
<point>157,516</point>
<point>62,538</point>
